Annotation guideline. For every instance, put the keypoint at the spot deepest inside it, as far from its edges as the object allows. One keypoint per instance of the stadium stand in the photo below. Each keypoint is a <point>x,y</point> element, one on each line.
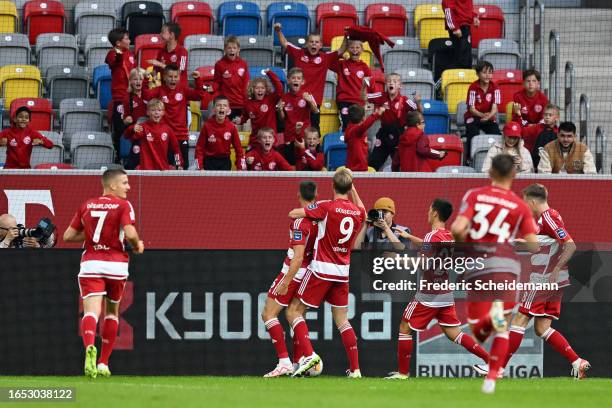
<point>332,18</point>
<point>142,17</point>
<point>255,72</point>
<point>330,121</point>
<point>79,114</point>
<point>204,50</point>
<point>479,148</point>
<point>455,83</point>
<point>96,48</point>
<point>146,47</point>
<point>503,54</point>
<point>440,56</point>
<point>88,147</point>
<point>406,53</point>
<point>460,118</point>
<point>54,155</point>
<point>101,84</point>
<point>387,18</point>
<point>437,119</point>
<point>455,169</point>
<point>509,81</point>
<point>41,117</point>
<point>294,18</point>
<point>92,18</point>
<point>196,116</point>
<point>14,49</point>
<point>19,81</point>
<point>429,23</point>
<point>257,50</point>
<point>193,17</point>
<point>491,23</point>
<point>8,17</point>
<point>239,18</point>
<point>43,16</point>
<point>54,49</point>
<point>417,80</point>
<point>334,150</point>
<point>66,81</point>
<point>329,92</point>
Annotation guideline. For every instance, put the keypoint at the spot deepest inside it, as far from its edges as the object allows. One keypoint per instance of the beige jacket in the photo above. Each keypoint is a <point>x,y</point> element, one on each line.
<point>578,160</point>
<point>523,161</point>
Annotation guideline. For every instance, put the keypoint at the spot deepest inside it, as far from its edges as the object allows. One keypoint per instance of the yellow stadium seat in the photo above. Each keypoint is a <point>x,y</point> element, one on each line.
<point>509,109</point>
<point>455,84</point>
<point>371,169</point>
<point>196,116</point>
<point>233,157</point>
<point>19,81</point>
<point>429,23</point>
<point>366,55</point>
<point>330,121</point>
<point>244,138</point>
<point>8,17</point>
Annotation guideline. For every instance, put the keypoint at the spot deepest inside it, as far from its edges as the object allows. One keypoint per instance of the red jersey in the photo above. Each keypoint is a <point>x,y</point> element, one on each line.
<point>262,113</point>
<point>458,13</point>
<point>175,102</point>
<point>301,232</point>
<point>497,217</point>
<point>356,139</point>
<point>307,160</point>
<point>552,234</point>
<point>296,110</point>
<point>155,139</point>
<point>530,134</point>
<point>481,100</point>
<point>103,219</point>
<point>436,244</point>
<point>178,57</point>
<point>120,64</point>
<point>216,139</point>
<point>315,68</point>
<point>532,108</point>
<point>133,105</point>
<point>269,161</point>
<point>19,146</point>
<point>340,223</point>
<point>232,80</point>
<point>396,108</point>
<point>350,79</point>
<point>407,149</point>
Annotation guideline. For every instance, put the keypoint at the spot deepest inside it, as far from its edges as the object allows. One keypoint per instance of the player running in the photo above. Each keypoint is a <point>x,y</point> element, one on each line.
<point>327,276</point>
<point>494,216</point>
<point>549,265</point>
<point>302,235</point>
<point>102,223</point>
<point>429,304</point>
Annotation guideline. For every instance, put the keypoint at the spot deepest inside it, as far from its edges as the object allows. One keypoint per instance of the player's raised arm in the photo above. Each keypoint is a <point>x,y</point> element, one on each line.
<point>460,228</point>
<point>131,235</point>
<point>356,199</point>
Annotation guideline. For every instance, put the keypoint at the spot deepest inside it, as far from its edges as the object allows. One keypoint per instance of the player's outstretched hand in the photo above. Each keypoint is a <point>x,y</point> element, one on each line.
<point>139,249</point>
<point>278,27</point>
<point>195,74</point>
<point>457,33</point>
<point>138,128</point>
<point>380,110</point>
<point>37,142</point>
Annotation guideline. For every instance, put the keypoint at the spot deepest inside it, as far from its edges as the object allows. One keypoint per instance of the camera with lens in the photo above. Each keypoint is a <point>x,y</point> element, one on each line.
<point>43,233</point>
<point>375,215</point>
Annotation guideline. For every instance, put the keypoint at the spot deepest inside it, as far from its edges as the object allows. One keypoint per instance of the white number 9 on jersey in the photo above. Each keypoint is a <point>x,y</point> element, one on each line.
<point>346,228</point>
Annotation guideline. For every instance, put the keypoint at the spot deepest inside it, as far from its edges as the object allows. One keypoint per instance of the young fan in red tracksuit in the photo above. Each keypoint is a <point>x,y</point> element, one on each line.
<point>132,108</point>
<point>172,52</point>
<point>356,137</point>
<point>260,108</point>
<point>414,150</point>
<point>264,157</point>
<point>232,76</point>
<point>19,140</point>
<point>459,18</point>
<point>538,136</point>
<point>529,104</point>
<point>308,157</point>
<point>156,137</point>
<point>218,134</point>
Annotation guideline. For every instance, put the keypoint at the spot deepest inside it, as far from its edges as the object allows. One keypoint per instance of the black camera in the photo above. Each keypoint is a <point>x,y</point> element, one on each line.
<point>43,232</point>
<point>375,215</point>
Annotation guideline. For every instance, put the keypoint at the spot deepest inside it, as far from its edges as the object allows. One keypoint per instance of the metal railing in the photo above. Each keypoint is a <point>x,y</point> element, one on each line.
<point>584,114</point>
<point>537,58</point>
<point>524,26</point>
<point>570,80</point>
<point>553,67</point>
<point>601,147</point>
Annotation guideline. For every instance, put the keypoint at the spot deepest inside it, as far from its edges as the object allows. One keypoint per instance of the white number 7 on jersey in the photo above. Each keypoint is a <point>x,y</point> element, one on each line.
<point>101,216</point>
<point>346,228</point>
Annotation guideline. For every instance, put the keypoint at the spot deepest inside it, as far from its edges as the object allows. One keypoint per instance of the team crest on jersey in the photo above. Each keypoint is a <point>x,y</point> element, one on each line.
<point>346,71</point>
<point>131,59</point>
<point>360,74</point>
<point>377,143</point>
<point>227,135</point>
<point>297,235</point>
<point>561,233</point>
<point>13,142</point>
<point>164,136</point>
<point>312,206</point>
<point>302,103</point>
<point>263,108</point>
<point>212,139</point>
<point>120,109</point>
<point>272,165</point>
<point>27,140</point>
<point>537,108</point>
<point>317,60</point>
<point>226,74</point>
<point>149,137</point>
<point>489,97</point>
<point>241,71</point>
<point>173,58</point>
<point>178,96</point>
<point>136,149</point>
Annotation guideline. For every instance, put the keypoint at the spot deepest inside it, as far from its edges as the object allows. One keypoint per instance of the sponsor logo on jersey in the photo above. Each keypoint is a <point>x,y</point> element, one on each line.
<point>212,139</point>
<point>226,74</point>
<point>288,106</point>
<point>272,165</point>
<point>297,235</point>
<point>561,233</point>
<point>13,142</point>
<point>227,135</point>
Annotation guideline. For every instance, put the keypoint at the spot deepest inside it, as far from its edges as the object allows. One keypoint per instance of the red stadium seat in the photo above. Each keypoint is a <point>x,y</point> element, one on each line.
<point>146,47</point>
<point>42,111</point>
<point>208,76</point>
<point>332,18</point>
<point>54,166</point>
<point>379,80</point>
<point>453,146</point>
<point>509,82</point>
<point>40,17</point>
<point>193,17</point>
<point>491,23</point>
<point>388,19</point>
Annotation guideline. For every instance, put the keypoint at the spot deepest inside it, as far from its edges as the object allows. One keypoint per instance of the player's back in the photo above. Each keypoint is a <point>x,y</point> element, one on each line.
<point>302,231</point>
<point>552,234</point>
<point>437,247</point>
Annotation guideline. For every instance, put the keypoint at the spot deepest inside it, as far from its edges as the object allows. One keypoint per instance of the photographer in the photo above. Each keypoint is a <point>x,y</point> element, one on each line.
<point>13,235</point>
<point>381,228</point>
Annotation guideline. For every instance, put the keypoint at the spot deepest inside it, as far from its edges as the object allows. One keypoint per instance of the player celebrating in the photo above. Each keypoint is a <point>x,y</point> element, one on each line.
<point>302,235</point>
<point>327,276</point>
<point>428,305</point>
<point>102,223</point>
<point>495,216</point>
<point>557,247</point>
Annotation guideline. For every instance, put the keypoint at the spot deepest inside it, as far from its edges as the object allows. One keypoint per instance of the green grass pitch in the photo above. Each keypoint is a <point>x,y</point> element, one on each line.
<point>336,392</point>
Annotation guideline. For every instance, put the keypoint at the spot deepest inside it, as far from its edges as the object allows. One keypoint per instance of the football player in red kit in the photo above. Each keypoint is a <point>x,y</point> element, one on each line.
<point>494,217</point>
<point>19,140</point>
<point>302,235</point>
<point>264,157</point>
<point>102,223</point>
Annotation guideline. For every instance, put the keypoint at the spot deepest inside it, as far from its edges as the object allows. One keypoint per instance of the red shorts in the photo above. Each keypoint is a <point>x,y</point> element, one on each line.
<point>418,316</point>
<point>284,300</point>
<point>111,288</point>
<point>479,301</point>
<point>476,310</point>
<point>314,290</point>
<point>541,304</point>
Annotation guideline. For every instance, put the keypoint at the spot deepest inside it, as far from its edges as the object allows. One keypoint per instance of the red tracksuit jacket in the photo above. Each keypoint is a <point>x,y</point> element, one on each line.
<point>232,80</point>
<point>19,146</point>
<point>267,161</point>
<point>356,139</point>
<point>120,66</point>
<point>155,139</point>
<point>215,140</point>
<point>307,160</point>
<point>263,113</point>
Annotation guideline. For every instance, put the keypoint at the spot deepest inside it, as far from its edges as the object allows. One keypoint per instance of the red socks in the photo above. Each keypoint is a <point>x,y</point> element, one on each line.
<point>516,337</point>
<point>470,345</point>
<point>404,351</point>
<point>277,334</point>
<point>482,329</point>
<point>89,322</point>
<point>297,351</point>
<point>300,331</point>
<point>350,345</point>
<point>560,344</point>
<point>499,349</point>
<point>109,334</point>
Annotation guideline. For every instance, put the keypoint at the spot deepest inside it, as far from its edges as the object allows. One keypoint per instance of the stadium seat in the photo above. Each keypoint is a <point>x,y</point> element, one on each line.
<point>417,80</point>
<point>41,117</point>
<point>503,54</point>
<point>509,81</point>
<point>429,23</point>
<point>96,49</point>
<point>298,41</point>
<point>43,16</point>
<point>142,17</point>
<point>334,150</point>
<point>491,23</point>
<point>453,146</point>
<point>406,53</point>
<point>19,81</point>
<point>331,81</point>
<point>56,49</point>
<point>332,18</point>
<point>461,109</point>
<point>194,17</point>
<point>93,17</point>
<point>440,55</point>
<point>146,48</point>
<point>14,49</point>
<point>204,50</point>
<point>257,50</point>
<point>479,147</point>
<point>244,138</point>
<point>455,84</point>
<point>255,72</point>
<point>329,119</point>
<point>366,55</point>
<point>91,147</point>
<point>53,166</point>
<point>101,84</point>
<point>387,18</point>
<point>294,18</point>
<point>193,140</point>
<point>196,116</point>
<point>102,166</point>
<point>8,17</point>
<point>239,18</point>
<point>78,114</point>
<point>53,155</point>
<point>66,82</point>
<point>437,119</point>
<point>455,169</point>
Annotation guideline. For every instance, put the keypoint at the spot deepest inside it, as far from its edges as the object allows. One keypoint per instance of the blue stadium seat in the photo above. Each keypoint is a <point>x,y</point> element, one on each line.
<point>334,150</point>
<point>294,18</point>
<point>437,119</point>
<point>239,18</point>
<point>101,82</point>
<point>255,72</point>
